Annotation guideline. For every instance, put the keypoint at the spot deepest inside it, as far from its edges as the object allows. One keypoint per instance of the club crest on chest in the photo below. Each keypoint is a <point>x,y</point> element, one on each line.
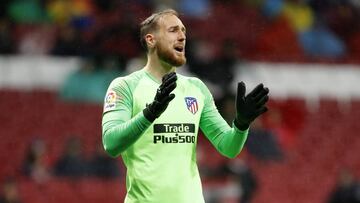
<point>191,104</point>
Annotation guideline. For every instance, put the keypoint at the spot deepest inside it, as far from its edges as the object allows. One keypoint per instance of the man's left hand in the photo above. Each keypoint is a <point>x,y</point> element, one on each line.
<point>249,107</point>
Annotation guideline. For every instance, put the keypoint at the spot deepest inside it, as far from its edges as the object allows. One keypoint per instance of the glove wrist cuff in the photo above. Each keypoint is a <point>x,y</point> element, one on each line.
<point>148,115</point>
<point>241,125</point>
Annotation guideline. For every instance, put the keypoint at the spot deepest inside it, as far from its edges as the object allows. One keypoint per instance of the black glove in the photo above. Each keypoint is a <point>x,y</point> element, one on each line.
<point>250,106</point>
<point>162,97</point>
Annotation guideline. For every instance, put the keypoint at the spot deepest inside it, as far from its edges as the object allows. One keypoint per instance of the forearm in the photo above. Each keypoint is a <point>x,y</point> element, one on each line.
<point>232,141</point>
<point>118,136</point>
<point>228,141</point>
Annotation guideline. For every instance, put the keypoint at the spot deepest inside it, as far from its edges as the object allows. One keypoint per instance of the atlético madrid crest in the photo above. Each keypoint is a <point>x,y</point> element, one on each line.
<point>191,104</point>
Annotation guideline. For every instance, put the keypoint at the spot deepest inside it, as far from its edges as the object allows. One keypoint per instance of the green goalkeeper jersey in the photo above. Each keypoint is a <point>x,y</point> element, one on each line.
<point>160,156</point>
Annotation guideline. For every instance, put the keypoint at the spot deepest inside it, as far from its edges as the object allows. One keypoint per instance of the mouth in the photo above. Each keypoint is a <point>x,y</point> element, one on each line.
<point>179,49</point>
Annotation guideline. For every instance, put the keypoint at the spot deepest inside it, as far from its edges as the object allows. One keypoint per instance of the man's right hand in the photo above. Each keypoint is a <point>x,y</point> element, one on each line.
<point>162,97</point>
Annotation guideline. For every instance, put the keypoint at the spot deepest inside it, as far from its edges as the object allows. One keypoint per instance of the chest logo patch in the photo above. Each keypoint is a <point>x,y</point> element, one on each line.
<point>191,104</point>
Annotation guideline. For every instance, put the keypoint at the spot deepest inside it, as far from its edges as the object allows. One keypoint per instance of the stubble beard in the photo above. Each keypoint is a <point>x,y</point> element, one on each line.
<point>169,56</point>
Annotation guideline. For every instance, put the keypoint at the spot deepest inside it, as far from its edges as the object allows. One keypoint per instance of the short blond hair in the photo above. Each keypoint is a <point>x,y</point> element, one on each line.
<point>151,24</point>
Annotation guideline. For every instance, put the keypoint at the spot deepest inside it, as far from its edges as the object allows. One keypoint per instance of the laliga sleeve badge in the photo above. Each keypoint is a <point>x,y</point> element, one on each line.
<point>110,101</point>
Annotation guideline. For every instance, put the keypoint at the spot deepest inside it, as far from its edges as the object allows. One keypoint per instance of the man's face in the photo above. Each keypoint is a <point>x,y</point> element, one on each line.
<point>170,43</point>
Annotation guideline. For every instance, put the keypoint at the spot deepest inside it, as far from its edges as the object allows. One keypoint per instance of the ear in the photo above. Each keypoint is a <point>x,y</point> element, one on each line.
<point>150,40</point>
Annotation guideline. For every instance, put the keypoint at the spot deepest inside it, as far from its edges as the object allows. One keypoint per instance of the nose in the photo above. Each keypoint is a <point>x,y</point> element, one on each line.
<point>182,36</point>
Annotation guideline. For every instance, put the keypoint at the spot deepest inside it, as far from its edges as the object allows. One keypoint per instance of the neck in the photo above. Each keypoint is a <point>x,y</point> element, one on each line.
<point>157,68</point>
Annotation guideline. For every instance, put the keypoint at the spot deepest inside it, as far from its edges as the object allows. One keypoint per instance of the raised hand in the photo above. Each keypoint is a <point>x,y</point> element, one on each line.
<point>162,97</point>
<point>249,107</point>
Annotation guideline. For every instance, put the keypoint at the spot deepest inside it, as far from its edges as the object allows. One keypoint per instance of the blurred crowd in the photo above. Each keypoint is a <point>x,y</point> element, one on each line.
<point>222,35</point>
<point>71,163</point>
<point>290,28</point>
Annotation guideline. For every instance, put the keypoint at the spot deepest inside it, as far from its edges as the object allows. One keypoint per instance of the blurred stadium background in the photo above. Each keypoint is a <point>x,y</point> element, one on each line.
<point>58,57</point>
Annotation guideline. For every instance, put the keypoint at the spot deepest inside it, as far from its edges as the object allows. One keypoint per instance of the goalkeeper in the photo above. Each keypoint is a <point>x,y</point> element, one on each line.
<point>152,117</point>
